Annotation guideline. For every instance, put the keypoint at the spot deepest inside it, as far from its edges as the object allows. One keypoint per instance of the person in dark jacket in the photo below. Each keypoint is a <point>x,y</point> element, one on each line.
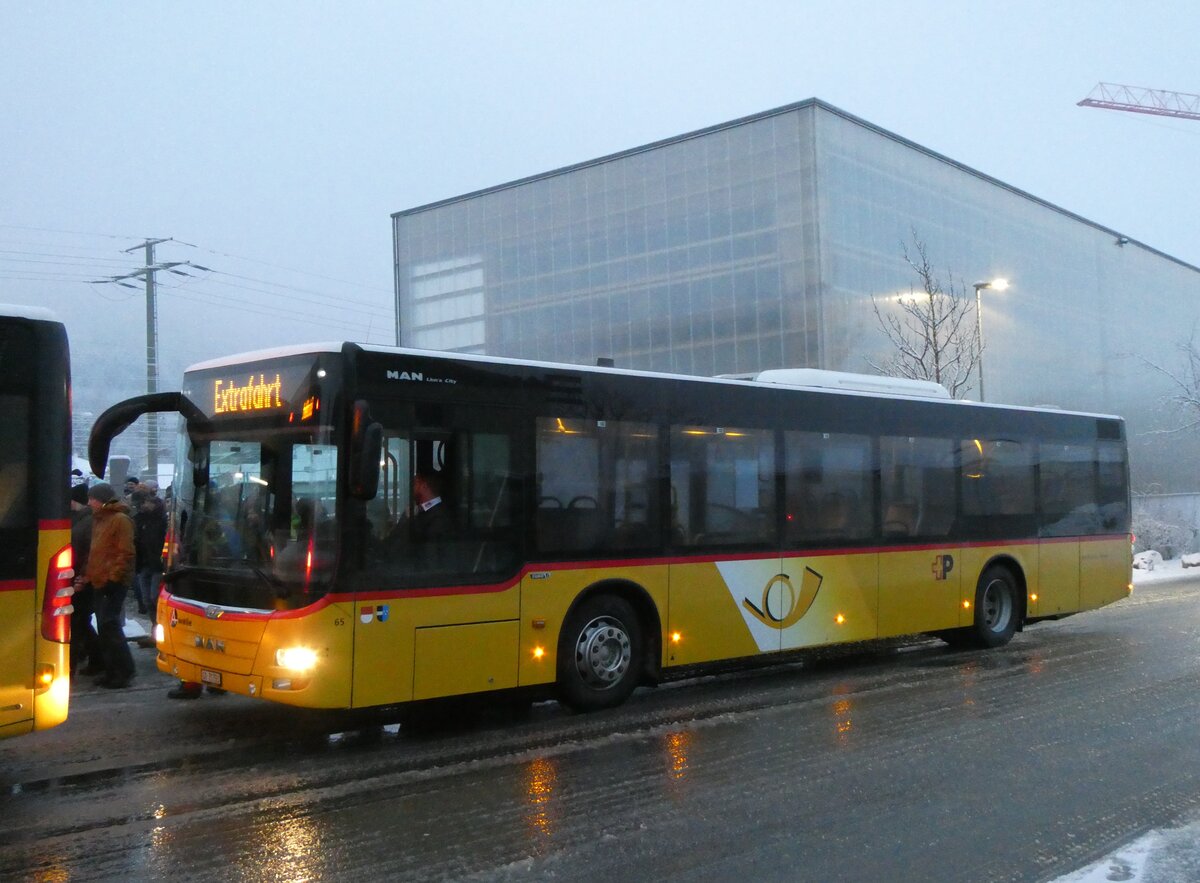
<point>110,574</point>
<point>150,532</point>
<point>85,643</point>
<point>420,542</point>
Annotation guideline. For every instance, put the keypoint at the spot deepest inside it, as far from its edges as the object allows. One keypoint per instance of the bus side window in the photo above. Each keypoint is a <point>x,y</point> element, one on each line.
<point>827,482</point>
<point>723,486</point>
<point>1068,490</point>
<point>918,494</point>
<point>997,488</point>
<point>14,473</point>
<point>595,485</point>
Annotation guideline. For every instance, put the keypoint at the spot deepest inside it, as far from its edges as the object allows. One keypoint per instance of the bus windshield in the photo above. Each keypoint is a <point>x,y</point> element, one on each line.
<point>256,518</point>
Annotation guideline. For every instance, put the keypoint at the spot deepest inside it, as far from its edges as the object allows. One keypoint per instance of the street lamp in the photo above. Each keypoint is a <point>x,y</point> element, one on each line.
<point>994,285</point>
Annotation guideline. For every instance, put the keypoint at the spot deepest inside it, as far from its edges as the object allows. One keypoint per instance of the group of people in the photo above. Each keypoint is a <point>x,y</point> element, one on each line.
<point>118,542</point>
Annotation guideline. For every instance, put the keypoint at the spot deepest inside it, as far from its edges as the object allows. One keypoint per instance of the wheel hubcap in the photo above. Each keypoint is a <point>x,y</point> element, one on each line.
<point>603,652</point>
<point>997,606</point>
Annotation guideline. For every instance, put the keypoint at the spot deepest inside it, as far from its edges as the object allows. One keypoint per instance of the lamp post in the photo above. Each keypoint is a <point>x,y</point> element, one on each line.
<point>994,285</point>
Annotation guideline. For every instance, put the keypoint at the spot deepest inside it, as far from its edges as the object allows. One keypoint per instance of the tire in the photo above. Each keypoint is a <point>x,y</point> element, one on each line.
<point>600,654</point>
<point>997,607</point>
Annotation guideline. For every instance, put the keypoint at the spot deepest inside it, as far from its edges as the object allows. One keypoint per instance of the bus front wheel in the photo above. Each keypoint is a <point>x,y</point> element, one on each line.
<point>600,653</point>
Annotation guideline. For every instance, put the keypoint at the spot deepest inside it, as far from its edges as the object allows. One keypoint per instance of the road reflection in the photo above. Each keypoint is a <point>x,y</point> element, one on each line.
<point>291,850</point>
<point>541,774</point>
<point>842,708</point>
<point>677,743</point>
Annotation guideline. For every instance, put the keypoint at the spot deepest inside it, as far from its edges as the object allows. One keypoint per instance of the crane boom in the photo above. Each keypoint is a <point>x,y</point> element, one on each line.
<point>1137,99</point>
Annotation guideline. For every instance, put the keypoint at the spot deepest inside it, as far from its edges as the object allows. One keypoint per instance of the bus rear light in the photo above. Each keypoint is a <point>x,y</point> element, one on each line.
<point>44,675</point>
<point>56,597</point>
<point>160,634</point>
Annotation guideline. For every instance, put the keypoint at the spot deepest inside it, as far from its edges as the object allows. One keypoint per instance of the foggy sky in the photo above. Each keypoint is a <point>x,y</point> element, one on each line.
<point>276,139</point>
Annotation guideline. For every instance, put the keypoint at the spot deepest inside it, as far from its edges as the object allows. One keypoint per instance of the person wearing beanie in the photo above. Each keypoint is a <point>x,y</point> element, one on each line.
<point>110,574</point>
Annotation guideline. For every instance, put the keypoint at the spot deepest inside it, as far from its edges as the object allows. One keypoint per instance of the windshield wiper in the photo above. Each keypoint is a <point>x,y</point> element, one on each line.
<point>269,578</point>
<point>171,575</point>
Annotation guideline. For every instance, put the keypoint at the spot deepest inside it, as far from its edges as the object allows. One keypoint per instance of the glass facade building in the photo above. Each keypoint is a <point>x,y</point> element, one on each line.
<point>761,243</point>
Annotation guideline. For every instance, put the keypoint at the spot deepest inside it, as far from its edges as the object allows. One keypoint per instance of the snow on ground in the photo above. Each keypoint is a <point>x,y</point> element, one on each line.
<point>1172,855</point>
<point>1167,570</point>
<point>1127,863</point>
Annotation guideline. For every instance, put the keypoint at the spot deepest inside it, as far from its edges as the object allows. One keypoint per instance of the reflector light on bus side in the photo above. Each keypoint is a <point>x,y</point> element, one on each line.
<point>56,600</point>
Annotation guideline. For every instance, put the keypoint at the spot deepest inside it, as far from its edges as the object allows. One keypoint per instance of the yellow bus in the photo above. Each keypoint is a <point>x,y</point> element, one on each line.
<point>359,526</point>
<point>35,526</point>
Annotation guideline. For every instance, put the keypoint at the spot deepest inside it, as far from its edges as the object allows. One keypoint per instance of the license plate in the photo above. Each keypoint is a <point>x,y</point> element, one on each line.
<point>213,678</point>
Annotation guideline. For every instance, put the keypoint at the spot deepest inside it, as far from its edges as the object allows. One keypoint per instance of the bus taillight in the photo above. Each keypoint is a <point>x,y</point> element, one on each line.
<point>56,600</point>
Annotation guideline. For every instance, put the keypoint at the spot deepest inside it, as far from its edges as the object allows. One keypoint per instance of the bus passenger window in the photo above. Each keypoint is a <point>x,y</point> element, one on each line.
<point>997,488</point>
<point>1113,489</point>
<point>722,486</point>
<point>595,485</point>
<point>14,474</point>
<point>1067,482</point>
<point>828,487</point>
<point>917,486</point>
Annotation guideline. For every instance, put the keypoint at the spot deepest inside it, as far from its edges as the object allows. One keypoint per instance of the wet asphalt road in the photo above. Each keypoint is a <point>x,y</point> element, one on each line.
<point>904,761</point>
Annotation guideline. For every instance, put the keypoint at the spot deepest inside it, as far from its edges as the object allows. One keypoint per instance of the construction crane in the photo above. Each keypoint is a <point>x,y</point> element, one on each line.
<point>1137,99</point>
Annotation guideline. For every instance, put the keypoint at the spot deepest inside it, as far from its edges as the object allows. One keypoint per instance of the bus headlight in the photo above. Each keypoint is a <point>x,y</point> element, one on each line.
<point>298,659</point>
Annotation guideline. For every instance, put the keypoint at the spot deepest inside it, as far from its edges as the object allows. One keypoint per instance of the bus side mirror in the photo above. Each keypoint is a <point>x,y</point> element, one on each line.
<point>366,447</point>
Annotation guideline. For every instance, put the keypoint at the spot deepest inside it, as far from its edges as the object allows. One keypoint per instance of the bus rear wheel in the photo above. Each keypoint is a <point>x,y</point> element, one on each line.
<point>996,608</point>
<point>600,653</point>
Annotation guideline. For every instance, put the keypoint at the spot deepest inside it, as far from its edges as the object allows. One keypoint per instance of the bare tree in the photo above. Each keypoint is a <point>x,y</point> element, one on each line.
<point>1184,383</point>
<point>932,330</point>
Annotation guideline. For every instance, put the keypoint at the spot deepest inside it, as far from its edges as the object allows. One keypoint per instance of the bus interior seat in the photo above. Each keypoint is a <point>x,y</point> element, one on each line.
<point>833,515</point>
<point>900,519</point>
<point>571,528</point>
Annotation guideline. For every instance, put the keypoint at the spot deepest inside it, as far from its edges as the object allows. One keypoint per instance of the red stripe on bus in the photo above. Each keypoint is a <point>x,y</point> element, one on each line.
<point>17,585</point>
<point>244,615</point>
<point>54,524</point>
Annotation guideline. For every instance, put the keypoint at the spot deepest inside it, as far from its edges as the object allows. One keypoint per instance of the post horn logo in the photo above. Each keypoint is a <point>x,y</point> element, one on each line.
<point>792,605</point>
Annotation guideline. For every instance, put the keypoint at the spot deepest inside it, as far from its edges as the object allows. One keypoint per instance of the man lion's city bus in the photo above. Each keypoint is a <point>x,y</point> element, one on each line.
<point>601,527</point>
<point>35,525</point>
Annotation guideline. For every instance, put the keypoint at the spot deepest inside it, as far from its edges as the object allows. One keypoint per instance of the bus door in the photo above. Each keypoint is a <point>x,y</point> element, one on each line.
<point>1066,486</point>
<point>727,596</point>
<point>919,580</point>
<point>439,599</point>
<point>830,579</point>
<point>20,595</point>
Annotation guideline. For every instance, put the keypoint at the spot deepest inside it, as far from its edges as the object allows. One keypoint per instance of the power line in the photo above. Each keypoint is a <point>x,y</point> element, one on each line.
<point>291,269</point>
<point>67,232</point>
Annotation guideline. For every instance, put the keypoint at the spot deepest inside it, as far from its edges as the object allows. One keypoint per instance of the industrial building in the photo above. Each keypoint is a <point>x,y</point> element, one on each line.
<point>761,243</point>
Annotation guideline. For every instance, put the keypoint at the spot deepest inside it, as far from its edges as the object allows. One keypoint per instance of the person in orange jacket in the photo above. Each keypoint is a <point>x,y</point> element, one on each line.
<point>110,574</point>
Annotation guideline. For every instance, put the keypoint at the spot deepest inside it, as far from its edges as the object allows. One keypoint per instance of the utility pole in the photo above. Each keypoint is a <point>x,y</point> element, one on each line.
<point>147,273</point>
<point>151,353</point>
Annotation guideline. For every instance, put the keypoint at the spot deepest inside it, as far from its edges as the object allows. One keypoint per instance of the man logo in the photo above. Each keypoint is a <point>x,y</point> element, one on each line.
<point>405,375</point>
<point>792,605</point>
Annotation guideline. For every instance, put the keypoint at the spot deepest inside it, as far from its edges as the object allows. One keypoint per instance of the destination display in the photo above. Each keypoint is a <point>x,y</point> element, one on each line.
<point>290,388</point>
